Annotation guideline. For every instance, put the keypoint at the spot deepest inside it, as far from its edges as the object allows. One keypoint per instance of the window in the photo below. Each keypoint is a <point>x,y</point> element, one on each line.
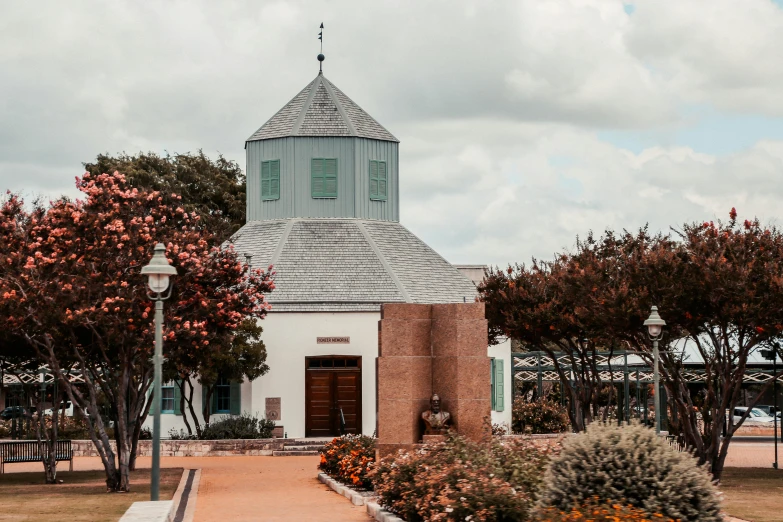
<point>323,178</point>
<point>496,380</point>
<point>167,398</point>
<point>378,184</point>
<point>270,180</point>
<point>223,396</point>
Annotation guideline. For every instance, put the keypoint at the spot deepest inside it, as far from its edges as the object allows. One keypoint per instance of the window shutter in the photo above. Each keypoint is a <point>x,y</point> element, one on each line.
<point>330,177</point>
<point>499,390</point>
<point>373,179</point>
<point>317,177</point>
<point>265,181</point>
<point>274,179</point>
<point>236,398</point>
<point>382,179</point>
<point>177,397</point>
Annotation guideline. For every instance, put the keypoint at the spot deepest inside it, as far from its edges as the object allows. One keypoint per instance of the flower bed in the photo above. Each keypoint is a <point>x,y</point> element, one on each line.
<point>596,512</point>
<point>462,480</point>
<point>349,459</point>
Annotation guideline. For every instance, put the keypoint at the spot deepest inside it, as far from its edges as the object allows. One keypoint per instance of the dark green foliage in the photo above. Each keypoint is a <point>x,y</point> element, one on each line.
<point>542,416</point>
<point>245,426</point>
<point>630,465</point>
<point>214,189</point>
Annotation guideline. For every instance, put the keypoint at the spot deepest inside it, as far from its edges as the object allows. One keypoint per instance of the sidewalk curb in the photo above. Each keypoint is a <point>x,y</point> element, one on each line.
<point>359,499</point>
<point>186,495</point>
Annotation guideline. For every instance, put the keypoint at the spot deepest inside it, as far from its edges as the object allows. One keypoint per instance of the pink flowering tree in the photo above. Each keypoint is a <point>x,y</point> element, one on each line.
<point>71,286</point>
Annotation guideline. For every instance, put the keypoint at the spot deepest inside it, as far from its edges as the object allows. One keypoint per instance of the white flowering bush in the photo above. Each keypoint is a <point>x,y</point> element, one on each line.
<point>461,480</point>
<point>630,465</point>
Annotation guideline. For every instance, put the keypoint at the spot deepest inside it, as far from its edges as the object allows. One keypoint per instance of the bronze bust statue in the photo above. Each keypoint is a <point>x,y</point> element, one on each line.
<point>435,420</point>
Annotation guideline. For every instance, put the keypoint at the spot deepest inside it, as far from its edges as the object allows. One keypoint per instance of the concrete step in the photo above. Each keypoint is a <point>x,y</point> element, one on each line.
<point>287,453</point>
<point>286,447</point>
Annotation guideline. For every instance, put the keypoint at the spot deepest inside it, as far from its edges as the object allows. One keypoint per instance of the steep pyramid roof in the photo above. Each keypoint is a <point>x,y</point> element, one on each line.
<point>321,109</point>
<point>340,265</point>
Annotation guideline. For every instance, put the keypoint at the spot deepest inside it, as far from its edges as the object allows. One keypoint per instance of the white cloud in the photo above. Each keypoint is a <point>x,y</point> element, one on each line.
<point>496,103</point>
<point>722,52</point>
<point>519,204</point>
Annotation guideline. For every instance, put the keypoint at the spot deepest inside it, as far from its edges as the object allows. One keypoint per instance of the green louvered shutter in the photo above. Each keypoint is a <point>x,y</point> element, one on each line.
<point>177,397</point>
<point>317,177</point>
<point>373,179</point>
<point>265,180</point>
<point>274,179</point>
<point>330,178</point>
<point>382,180</point>
<point>236,398</point>
<point>499,390</point>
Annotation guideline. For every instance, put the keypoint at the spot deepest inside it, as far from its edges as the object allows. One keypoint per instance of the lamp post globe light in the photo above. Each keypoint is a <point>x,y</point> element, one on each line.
<point>655,325</point>
<point>158,271</point>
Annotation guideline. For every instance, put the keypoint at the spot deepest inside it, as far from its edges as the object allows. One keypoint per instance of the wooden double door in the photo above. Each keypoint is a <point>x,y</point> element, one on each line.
<point>333,395</point>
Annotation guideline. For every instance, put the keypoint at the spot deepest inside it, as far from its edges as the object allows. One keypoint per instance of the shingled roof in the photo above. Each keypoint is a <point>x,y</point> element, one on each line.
<point>333,265</point>
<point>321,109</point>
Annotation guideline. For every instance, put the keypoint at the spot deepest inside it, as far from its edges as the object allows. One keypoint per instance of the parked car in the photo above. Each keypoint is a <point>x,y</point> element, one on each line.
<point>767,409</point>
<point>756,415</point>
<point>68,410</point>
<point>14,412</point>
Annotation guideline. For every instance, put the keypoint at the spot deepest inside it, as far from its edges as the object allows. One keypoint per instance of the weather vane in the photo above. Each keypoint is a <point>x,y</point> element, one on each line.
<point>321,55</point>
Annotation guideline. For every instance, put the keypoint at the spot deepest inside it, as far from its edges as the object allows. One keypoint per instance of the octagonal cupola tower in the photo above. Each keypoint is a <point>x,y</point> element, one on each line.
<point>322,156</point>
<point>323,208</point>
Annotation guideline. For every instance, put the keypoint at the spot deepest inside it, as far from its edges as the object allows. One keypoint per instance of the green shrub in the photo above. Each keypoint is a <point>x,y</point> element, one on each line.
<point>5,429</point>
<point>462,480</point>
<point>245,426</point>
<point>630,465</point>
<point>542,416</point>
<point>175,434</point>
<point>349,460</point>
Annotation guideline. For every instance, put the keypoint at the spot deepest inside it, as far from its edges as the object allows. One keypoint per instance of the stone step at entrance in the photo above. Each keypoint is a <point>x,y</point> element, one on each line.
<point>301,448</point>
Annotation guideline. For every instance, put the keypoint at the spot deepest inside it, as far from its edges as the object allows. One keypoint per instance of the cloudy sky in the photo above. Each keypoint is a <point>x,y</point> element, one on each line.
<point>522,124</point>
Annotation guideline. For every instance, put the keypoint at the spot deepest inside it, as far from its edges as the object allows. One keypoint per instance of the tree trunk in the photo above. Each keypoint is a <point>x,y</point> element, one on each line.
<point>47,439</point>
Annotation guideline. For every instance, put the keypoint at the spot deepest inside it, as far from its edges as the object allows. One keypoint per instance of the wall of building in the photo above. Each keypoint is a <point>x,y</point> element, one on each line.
<point>169,421</point>
<point>353,162</point>
<point>290,337</point>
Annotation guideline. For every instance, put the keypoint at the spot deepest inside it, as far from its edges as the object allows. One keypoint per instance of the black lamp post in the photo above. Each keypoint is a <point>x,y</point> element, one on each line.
<point>655,325</point>
<point>771,355</point>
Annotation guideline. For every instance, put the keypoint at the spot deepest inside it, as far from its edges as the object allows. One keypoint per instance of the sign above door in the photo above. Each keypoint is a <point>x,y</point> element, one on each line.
<point>333,340</point>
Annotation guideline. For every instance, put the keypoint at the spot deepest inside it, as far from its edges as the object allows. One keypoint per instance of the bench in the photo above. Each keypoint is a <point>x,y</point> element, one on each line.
<point>29,451</point>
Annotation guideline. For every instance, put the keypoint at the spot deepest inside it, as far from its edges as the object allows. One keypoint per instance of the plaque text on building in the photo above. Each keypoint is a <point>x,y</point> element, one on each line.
<point>333,340</point>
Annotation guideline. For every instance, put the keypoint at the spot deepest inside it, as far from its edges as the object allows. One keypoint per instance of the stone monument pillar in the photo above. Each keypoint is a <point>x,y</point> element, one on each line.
<point>425,350</point>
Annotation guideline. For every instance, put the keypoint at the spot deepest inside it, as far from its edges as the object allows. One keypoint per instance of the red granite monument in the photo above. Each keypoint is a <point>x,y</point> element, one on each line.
<point>426,350</point>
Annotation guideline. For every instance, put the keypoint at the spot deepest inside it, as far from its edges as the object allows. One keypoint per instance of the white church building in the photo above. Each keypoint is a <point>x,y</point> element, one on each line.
<point>323,208</point>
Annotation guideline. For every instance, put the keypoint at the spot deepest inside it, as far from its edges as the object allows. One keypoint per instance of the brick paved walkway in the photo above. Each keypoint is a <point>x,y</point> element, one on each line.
<point>251,488</point>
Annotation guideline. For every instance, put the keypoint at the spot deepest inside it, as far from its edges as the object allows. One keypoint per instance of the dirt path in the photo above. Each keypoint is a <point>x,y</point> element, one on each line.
<point>251,488</point>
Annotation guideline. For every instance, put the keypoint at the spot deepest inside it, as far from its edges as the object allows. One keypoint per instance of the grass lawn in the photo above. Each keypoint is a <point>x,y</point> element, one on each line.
<point>81,497</point>
<point>753,493</point>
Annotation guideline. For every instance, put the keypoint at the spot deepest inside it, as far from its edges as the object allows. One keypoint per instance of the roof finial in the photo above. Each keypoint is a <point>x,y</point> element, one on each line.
<point>321,56</point>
